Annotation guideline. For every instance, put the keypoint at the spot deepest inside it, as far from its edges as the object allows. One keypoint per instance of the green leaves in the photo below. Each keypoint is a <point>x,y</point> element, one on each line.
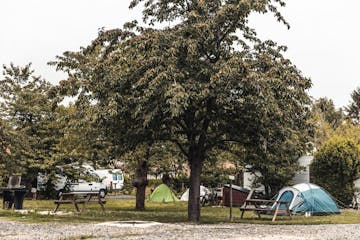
<point>28,111</point>
<point>335,167</point>
<point>177,99</point>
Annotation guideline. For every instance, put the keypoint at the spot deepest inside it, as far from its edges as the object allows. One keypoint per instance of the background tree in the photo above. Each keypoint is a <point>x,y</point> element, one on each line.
<point>188,84</point>
<point>77,143</point>
<point>81,143</point>
<point>353,110</point>
<point>335,167</point>
<point>326,109</point>
<point>5,151</point>
<point>326,119</point>
<point>30,114</point>
<point>4,139</point>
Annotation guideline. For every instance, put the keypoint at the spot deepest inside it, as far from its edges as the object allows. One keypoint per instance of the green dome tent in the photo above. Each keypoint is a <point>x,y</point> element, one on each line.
<point>163,194</point>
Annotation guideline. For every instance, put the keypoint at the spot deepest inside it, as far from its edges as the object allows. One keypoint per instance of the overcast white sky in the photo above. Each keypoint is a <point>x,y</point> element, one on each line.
<point>323,40</point>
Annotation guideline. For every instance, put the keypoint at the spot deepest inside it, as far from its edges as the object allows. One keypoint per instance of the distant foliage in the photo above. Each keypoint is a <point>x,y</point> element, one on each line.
<point>353,110</point>
<point>327,119</point>
<point>326,109</point>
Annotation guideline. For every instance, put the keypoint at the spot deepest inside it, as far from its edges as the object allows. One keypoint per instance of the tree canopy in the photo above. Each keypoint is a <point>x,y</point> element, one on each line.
<point>206,82</point>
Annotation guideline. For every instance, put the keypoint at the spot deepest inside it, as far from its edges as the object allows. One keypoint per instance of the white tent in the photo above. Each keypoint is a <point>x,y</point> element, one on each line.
<point>203,191</point>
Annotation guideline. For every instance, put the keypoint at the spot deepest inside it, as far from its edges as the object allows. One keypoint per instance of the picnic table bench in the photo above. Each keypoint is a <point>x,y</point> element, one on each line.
<point>261,206</point>
<point>356,201</point>
<point>82,198</point>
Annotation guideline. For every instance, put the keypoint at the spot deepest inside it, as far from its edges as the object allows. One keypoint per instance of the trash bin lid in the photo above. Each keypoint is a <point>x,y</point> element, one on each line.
<point>14,182</point>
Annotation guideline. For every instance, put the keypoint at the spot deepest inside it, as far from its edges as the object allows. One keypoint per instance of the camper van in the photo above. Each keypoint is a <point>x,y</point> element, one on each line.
<point>81,185</point>
<point>112,178</point>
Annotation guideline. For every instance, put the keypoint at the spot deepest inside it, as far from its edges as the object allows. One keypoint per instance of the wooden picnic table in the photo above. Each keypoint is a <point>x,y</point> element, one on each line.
<point>257,205</point>
<point>82,198</point>
<point>356,201</point>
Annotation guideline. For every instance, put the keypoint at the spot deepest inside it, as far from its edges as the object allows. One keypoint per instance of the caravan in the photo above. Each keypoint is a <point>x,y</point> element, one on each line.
<point>112,178</point>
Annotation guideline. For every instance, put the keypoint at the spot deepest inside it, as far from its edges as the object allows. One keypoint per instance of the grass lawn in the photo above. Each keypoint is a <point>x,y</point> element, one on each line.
<point>122,210</point>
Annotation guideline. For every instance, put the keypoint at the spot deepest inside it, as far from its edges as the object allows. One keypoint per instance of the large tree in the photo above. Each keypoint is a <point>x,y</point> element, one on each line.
<point>81,142</point>
<point>204,83</point>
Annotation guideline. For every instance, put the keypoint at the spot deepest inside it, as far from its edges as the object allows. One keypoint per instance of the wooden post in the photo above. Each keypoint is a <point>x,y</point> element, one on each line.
<point>231,197</point>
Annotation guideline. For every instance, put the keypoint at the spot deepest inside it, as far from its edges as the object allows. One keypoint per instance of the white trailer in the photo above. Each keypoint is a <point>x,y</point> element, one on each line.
<point>112,178</point>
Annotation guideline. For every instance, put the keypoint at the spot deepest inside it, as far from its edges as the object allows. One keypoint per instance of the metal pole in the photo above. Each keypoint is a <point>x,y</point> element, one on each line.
<point>231,201</point>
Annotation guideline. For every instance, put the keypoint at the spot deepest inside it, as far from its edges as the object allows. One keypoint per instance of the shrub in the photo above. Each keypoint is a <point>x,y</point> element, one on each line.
<point>335,167</point>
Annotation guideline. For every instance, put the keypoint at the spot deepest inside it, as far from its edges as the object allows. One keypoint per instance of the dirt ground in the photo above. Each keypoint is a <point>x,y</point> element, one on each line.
<point>155,231</point>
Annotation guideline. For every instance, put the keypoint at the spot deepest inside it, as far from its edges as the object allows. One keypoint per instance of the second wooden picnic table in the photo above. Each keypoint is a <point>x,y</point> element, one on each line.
<point>256,206</point>
<point>82,198</point>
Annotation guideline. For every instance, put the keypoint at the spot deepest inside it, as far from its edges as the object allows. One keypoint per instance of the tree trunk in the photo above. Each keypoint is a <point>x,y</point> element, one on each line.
<point>194,191</point>
<point>140,183</point>
<point>140,198</point>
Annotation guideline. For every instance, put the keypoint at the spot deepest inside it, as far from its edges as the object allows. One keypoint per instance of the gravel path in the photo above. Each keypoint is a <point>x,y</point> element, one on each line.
<point>15,230</point>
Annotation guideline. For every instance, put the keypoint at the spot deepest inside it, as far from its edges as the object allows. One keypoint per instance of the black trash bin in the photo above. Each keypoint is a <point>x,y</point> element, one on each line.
<point>8,199</point>
<point>13,197</point>
<point>19,198</point>
<point>14,193</point>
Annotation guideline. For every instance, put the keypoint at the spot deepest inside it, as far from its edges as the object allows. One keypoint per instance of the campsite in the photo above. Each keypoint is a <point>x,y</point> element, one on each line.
<point>179,119</point>
<point>171,212</point>
<point>165,215</point>
<point>215,223</point>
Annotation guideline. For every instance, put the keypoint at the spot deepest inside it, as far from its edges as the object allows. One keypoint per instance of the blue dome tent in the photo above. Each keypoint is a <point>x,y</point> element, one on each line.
<point>308,198</point>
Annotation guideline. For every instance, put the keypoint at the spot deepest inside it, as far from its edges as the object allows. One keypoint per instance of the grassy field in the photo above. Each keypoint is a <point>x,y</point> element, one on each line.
<point>121,210</point>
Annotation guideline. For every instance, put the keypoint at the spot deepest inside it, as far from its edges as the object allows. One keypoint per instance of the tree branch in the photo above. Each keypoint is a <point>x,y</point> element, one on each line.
<point>181,147</point>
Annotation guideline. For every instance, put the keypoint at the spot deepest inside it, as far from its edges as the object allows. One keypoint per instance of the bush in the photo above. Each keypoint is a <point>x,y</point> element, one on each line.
<point>335,167</point>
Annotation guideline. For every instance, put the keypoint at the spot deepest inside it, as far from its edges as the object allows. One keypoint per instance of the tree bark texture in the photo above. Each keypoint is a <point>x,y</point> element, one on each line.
<point>194,190</point>
<point>140,183</point>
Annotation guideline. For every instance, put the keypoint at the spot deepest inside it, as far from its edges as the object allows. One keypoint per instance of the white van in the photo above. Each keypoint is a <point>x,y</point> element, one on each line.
<point>81,185</point>
<point>112,178</point>
<point>96,185</point>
